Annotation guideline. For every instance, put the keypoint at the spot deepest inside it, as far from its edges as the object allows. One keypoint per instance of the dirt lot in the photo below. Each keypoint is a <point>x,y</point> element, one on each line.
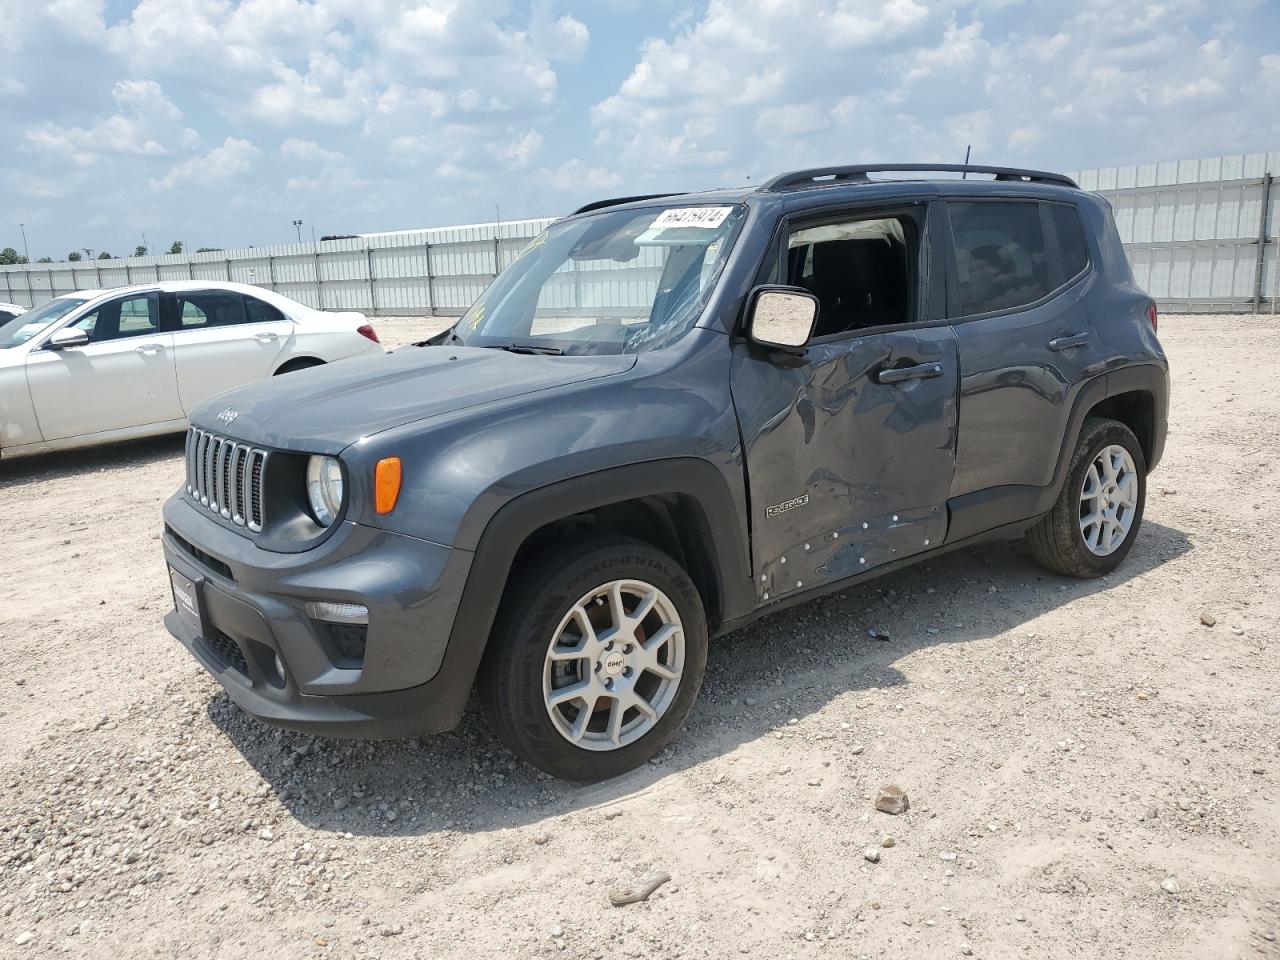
<point>1093,771</point>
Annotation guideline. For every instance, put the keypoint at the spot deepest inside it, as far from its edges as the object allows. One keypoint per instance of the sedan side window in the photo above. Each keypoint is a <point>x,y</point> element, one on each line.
<point>118,319</point>
<point>202,309</point>
<point>258,311</point>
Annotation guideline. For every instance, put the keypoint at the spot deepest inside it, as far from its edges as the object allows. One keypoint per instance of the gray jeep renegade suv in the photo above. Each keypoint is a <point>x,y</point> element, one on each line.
<point>670,415</point>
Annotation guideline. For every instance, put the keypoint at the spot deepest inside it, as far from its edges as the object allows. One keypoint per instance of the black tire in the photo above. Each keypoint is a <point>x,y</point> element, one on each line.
<point>1056,541</point>
<point>537,598</point>
<point>301,363</point>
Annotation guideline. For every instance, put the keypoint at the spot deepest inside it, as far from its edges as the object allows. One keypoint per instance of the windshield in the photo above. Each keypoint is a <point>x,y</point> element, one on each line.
<point>616,282</point>
<point>26,325</point>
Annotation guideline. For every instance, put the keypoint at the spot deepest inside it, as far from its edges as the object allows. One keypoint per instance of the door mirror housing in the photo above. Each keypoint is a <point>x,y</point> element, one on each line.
<point>68,337</point>
<point>782,318</point>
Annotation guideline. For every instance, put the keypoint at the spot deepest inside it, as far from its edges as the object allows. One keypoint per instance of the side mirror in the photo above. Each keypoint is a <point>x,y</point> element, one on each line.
<point>68,337</point>
<point>782,317</point>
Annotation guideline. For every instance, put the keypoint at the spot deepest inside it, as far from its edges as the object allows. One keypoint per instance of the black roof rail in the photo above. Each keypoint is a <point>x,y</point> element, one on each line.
<point>601,204</point>
<point>858,174</point>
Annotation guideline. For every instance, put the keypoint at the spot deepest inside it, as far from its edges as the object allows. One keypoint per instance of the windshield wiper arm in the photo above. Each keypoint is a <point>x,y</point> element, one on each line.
<point>530,348</point>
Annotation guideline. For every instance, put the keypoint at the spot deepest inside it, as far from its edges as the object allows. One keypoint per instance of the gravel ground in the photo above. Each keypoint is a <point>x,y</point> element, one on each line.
<point>1093,768</point>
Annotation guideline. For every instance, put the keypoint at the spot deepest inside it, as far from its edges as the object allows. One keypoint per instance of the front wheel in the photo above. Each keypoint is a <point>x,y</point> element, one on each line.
<point>596,658</point>
<point>1096,517</point>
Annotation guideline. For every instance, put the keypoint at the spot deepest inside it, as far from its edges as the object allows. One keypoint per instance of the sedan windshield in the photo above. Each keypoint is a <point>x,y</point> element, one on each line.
<point>622,281</point>
<point>27,325</point>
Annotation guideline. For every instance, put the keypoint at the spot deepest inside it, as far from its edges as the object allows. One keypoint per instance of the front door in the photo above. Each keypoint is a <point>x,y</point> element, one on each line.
<point>849,450</point>
<point>123,377</point>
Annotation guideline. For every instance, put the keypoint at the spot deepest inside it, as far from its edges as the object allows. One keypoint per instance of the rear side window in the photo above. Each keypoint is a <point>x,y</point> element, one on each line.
<point>212,308</point>
<point>1001,255</point>
<point>259,312</point>
<point>1071,244</point>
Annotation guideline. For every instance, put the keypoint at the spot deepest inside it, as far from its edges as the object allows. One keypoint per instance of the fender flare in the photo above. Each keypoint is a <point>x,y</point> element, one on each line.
<point>512,524</point>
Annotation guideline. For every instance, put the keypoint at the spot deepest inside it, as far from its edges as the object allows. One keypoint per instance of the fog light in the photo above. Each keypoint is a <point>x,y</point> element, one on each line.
<point>333,612</point>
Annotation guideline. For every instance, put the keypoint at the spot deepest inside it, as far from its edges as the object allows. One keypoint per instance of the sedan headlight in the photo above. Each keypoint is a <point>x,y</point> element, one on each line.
<point>324,488</point>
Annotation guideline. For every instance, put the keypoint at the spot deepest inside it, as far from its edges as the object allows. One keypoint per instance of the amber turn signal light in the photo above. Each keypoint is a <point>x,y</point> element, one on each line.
<point>386,484</point>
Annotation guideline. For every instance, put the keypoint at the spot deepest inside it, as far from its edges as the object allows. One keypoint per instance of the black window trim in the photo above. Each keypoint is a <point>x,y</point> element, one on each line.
<point>918,211</point>
<point>1051,249</point>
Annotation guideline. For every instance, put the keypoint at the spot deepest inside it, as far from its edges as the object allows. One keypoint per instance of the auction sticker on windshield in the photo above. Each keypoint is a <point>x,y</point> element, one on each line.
<point>708,218</point>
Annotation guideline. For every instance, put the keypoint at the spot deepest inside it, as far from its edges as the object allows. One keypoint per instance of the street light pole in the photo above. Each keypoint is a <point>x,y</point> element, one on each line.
<point>297,225</point>
<point>25,252</point>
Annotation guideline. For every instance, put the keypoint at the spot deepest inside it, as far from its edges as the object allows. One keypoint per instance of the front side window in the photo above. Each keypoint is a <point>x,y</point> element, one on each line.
<point>27,325</point>
<point>860,271</point>
<point>202,309</point>
<point>1001,260</point>
<point>621,281</point>
<point>118,319</point>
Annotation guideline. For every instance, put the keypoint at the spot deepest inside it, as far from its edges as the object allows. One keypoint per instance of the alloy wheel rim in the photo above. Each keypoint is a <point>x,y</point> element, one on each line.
<point>613,666</point>
<point>1108,500</point>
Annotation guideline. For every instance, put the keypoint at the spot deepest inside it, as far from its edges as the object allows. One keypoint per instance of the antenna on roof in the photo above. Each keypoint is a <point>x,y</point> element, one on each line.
<point>965,175</point>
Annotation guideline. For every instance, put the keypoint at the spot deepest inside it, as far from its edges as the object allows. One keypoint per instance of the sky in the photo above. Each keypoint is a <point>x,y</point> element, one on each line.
<point>219,122</point>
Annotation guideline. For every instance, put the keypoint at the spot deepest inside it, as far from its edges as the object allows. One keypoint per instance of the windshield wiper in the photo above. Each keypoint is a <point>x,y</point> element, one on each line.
<point>529,348</point>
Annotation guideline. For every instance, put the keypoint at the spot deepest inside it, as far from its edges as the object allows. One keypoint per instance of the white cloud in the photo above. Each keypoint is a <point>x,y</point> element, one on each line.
<point>145,123</point>
<point>233,159</point>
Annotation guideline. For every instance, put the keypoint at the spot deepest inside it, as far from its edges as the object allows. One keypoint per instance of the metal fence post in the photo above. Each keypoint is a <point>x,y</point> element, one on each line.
<point>8,288</point>
<point>191,269</point>
<point>52,291</point>
<point>227,268</point>
<point>431,282</point>
<point>1262,244</point>
<point>315,258</point>
<point>271,272</point>
<point>373,293</point>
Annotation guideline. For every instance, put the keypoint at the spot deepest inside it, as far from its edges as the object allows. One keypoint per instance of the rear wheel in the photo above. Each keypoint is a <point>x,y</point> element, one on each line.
<point>1096,517</point>
<point>596,658</point>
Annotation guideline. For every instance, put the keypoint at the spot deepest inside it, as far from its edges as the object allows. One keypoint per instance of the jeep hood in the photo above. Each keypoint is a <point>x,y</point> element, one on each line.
<point>326,409</point>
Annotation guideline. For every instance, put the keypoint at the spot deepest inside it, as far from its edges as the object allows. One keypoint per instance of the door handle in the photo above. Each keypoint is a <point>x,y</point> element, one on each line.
<point>1067,343</point>
<point>149,349</point>
<point>921,371</point>
<point>266,337</point>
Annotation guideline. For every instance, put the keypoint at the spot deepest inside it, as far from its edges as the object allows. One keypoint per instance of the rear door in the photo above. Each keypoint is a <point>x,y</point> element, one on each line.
<point>222,340</point>
<point>1019,276</point>
<point>124,376</point>
<point>849,449</point>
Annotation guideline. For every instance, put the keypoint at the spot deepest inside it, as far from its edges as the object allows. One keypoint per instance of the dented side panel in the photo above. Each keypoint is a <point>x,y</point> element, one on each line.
<point>846,473</point>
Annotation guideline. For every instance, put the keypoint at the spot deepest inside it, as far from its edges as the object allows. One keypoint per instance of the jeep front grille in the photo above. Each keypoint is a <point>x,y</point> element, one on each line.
<point>226,477</point>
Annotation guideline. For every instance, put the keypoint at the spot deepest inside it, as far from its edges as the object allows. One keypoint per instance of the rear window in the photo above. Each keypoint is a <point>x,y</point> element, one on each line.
<point>1071,243</point>
<point>1001,255</point>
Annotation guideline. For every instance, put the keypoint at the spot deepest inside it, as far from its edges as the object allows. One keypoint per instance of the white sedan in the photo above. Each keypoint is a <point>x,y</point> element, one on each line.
<point>102,365</point>
<point>10,310</point>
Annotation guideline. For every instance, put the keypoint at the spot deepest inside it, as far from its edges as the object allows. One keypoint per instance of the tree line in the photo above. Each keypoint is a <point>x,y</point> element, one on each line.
<point>9,255</point>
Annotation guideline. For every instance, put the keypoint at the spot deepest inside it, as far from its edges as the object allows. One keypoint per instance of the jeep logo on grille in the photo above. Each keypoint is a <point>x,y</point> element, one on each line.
<point>228,416</point>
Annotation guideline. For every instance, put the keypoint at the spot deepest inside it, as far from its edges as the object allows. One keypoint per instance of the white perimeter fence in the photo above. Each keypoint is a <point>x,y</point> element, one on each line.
<point>1201,235</point>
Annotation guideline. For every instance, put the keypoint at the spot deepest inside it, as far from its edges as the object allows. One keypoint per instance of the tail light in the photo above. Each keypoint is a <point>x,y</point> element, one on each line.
<point>366,330</point>
<point>1153,316</point>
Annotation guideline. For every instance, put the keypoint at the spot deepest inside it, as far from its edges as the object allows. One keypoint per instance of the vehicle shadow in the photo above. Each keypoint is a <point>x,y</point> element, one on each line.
<point>70,463</point>
<point>787,665</point>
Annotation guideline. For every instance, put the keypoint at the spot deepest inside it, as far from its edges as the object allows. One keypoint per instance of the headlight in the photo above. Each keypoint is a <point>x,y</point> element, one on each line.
<point>324,488</point>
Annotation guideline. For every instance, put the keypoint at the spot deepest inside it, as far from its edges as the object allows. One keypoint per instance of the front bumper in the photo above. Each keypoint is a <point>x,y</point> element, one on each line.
<point>253,633</point>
